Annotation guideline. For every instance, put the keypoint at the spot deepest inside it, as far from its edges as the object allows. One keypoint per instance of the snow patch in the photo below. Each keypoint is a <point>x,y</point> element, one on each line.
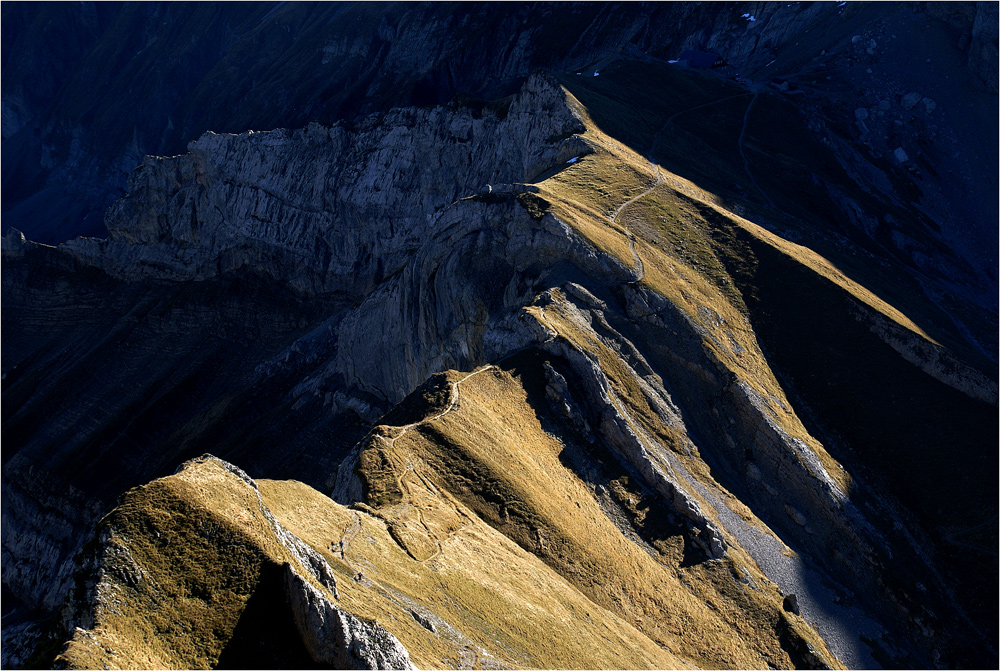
<point>574,159</point>
<point>749,17</point>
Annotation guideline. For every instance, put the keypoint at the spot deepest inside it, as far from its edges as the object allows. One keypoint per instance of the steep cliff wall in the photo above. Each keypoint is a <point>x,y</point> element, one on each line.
<point>356,202</point>
<point>72,76</point>
<point>337,268</point>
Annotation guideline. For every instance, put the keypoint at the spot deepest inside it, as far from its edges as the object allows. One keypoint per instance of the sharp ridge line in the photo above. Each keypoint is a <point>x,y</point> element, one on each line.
<point>453,402</point>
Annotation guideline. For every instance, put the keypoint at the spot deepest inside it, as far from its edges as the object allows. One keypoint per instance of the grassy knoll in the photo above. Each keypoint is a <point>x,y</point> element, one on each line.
<point>184,557</point>
<point>494,456</point>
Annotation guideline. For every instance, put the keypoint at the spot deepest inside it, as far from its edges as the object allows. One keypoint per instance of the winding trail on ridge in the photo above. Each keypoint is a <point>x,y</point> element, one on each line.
<point>351,531</point>
<point>950,538</point>
<point>348,535</point>
<point>452,404</point>
<point>660,180</point>
<point>639,270</point>
<point>691,109</point>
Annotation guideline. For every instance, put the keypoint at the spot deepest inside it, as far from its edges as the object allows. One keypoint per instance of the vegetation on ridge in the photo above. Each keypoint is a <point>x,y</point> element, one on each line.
<point>183,557</point>
<point>509,460</point>
<point>793,307</point>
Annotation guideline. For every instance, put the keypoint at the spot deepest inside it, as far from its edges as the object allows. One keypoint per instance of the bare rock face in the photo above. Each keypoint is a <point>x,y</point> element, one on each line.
<point>19,643</point>
<point>340,61</point>
<point>337,638</point>
<point>41,536</point>
<point>378,209</point>
<point>976,23</point>
<point>269,199</point>
<point>13,243</point>
<point>394,204</point>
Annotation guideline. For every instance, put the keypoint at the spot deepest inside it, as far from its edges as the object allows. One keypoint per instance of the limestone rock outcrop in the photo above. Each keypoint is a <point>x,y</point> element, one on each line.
<point>337,638</point>
<point>618,327</point>
<point>272,200</point>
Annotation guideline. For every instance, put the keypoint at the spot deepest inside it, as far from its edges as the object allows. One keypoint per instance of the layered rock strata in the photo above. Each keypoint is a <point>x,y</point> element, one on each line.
<point>413,243</point>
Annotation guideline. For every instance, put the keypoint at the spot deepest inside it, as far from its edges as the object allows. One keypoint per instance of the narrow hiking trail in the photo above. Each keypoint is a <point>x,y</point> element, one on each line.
<point>452,404</point>
<point>696,107</point>
<point>405,486</point>
<point>660,179</point>
<point>639,270</point>
<point>950,538</point>
<point>741,144</point>
<point>348,535</point>
<point>354,527</point>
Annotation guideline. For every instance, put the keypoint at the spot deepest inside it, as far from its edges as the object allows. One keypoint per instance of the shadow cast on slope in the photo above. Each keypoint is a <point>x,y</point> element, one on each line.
<point>265,636</point>
<point>638,513</point>
<point>755,154</point>
<point>900,430</point>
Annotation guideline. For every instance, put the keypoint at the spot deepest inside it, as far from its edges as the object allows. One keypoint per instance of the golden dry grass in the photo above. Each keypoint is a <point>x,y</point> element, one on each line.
<point>824,268</point>
<point>200,541</point>
<point>683,261</point>
<point>491,457</point>
<point>497,600</point>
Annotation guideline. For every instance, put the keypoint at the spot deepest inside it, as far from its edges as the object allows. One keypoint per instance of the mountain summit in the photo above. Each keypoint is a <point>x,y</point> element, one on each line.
<point>551,349</point>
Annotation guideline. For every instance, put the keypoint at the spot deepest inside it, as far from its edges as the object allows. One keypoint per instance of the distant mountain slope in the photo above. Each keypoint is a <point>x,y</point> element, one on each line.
<point>690,394</point>
<point>89,89</point>
<point>514,290</point>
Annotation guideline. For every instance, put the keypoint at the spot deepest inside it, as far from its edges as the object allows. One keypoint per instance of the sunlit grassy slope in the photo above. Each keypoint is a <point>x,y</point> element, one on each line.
<point>192,569</point>
<point>496,454</point>
<point>791,307</point>
<point>489,600</point>
<point>192,579</point>
<point>679,256</point>
<point>182,558</point>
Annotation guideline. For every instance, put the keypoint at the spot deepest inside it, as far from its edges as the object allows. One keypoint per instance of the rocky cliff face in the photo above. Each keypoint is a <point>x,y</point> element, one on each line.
<point>236,68</point>
<point>760,406</point>
<point>267,199</point>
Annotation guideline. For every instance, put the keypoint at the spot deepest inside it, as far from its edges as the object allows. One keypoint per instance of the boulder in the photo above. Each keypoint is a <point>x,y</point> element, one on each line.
<point>910,100</point>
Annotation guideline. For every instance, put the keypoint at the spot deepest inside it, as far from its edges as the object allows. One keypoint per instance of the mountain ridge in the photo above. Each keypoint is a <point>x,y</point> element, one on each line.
<point>741,376</point>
